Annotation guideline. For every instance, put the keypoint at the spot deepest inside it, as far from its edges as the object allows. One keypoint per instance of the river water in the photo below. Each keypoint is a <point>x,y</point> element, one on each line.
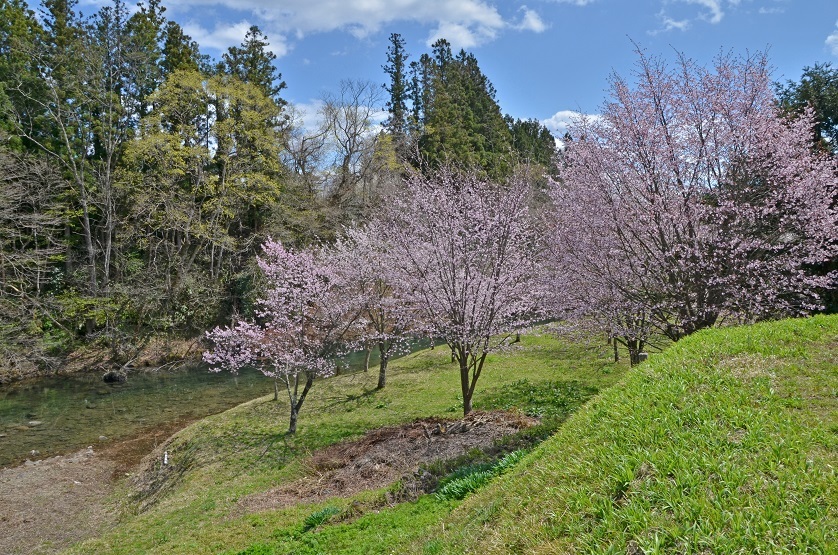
<point>52,415</point>
<point>59,414</point>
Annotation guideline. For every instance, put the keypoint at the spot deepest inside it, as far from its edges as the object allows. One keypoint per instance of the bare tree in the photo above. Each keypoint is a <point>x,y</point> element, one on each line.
<point>350,119</point>
<point>31,245</point>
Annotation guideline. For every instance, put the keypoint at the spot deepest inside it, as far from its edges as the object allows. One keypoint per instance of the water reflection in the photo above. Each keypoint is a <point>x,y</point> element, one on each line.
<point>59,414</point>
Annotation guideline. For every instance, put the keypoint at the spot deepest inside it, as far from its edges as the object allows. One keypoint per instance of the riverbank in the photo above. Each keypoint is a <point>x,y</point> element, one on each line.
<point>157,352</point>
<point>62,414</point>
<point>230,478</point>
<point>415,418</point>
<point>47,505</point>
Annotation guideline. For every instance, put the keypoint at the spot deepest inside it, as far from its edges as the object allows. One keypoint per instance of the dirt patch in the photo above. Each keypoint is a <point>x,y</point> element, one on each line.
<point>47,505</point>
<point>750,366</point>
<point>385,455</point>
<point>50,504</point>
<point>128,453</point>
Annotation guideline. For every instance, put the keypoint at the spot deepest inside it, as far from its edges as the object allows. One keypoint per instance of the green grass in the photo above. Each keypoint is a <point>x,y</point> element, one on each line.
<point>725,443</point>
<point>219,460</point>
<point>467,479</point>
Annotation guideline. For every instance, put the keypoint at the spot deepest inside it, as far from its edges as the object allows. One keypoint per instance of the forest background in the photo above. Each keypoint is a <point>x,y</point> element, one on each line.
<point>141,177</point>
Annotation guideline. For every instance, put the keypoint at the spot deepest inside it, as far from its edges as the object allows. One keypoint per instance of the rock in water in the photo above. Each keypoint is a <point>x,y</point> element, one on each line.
<point>115,376</point>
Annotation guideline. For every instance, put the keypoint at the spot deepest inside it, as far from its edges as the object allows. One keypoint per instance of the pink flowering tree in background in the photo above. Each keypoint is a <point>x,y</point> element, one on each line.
<point>302,321</point>
<point>691,201</point>
<point>383,320</point>
<point>589,305</point>
<point>464,255</point>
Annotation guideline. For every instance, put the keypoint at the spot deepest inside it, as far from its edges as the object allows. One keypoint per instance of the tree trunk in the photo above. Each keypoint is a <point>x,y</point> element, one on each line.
<point>292,425</point>
<point>367,359</point>
<point>634,348</point>
<point>297,401</point>
<point>384,355</point>
<point>465,384</point>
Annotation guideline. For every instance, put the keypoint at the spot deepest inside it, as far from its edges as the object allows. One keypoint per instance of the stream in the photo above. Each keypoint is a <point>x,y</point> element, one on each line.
<point>53,415</point>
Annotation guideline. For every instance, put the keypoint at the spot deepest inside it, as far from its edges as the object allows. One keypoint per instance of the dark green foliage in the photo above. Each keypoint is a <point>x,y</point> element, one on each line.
<point>146,32</point>
<point>818,88</point>
<point>19,33</point>
<point>445,106</point>
<point>180,52</point>
<point>532,142</point>
<point>253,63</point>
<point>396,70</point>
<point>462,122</point>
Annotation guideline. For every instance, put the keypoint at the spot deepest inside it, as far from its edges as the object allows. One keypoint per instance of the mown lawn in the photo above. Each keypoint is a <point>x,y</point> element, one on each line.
<point>221,459</point>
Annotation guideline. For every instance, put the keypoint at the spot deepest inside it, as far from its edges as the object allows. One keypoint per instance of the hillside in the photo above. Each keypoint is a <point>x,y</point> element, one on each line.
<point>725,443</point>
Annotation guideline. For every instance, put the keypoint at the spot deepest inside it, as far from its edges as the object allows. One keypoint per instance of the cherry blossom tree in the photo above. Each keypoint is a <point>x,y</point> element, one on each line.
<point>464,255</point>
<point>302,320</point>
<point>693,201</point>
<point>589,305</point>
<point>384,321</point>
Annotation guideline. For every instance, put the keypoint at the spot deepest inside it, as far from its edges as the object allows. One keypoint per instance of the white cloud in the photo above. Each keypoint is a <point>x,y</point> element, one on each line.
<point>459,35</point>
<point>464,23</point>
<point>710,11</point>
<point>531,21</point>
<point>576,2</point>
<point>561,121</point>
<point>715,9</point>
<point>669,24</point>
<point>564,120</point>
<point>224,35</point>
<point>832,41</point>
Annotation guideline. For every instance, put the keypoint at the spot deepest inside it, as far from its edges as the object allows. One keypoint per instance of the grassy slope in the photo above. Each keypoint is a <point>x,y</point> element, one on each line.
<point>725,443</point>
<point>244,450</point>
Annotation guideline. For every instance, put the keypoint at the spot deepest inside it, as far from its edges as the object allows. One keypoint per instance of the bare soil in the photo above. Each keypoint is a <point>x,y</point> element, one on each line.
<point>386,455</point>
<point>48,505</point>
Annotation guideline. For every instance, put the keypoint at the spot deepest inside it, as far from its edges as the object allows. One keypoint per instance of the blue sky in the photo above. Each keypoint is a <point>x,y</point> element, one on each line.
<point>545,57</point>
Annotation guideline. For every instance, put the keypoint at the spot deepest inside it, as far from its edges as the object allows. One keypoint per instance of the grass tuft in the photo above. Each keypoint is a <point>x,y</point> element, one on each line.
<point>319,518</point>
<point>467,479</point>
